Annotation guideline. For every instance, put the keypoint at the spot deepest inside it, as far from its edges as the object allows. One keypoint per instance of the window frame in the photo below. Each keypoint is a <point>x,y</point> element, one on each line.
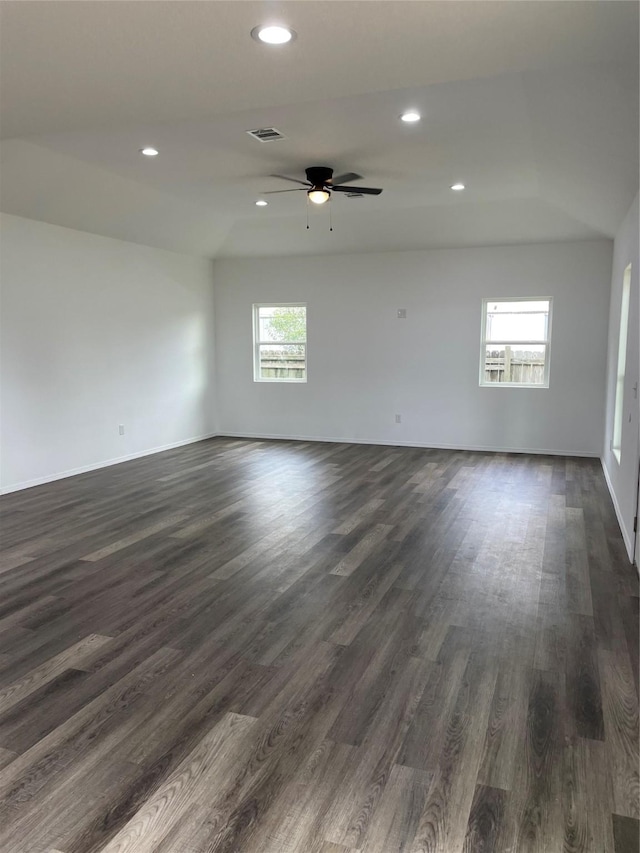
<point>484,342</point>
<point>621,365</point>
<point>257,342</point>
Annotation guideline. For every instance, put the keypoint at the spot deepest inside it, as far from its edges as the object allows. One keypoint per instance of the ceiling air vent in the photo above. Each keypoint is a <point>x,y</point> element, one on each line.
<point>354,195</point>
<point>266,134</point>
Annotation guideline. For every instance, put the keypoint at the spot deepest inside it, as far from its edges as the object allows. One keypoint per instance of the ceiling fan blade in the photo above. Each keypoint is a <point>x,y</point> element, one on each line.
<point>273,192</point>
<point>295,180</point>
<point>343,179</point>
<point>363,190</point>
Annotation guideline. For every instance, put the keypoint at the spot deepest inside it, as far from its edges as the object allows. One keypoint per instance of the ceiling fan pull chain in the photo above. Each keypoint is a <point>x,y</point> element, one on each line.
<point>330,225</point>
<point>307,213</point>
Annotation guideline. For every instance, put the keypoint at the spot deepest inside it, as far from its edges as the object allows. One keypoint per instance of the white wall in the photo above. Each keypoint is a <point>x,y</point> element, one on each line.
<point>623,476</point>
<point>95,333</point>
<point>365,365</point>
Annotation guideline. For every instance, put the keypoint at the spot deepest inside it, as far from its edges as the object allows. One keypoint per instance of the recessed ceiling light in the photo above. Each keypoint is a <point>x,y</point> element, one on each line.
<point>457,187</point>
<point>261,203</point>
<point>272,34</point>
<point>149,152</point>
<point>410,116</point>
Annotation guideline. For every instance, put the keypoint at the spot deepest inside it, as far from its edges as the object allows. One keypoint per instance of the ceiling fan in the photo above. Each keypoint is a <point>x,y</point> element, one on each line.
<point>320,184</point>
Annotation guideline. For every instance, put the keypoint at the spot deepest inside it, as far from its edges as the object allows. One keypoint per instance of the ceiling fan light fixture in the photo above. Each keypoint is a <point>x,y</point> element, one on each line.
<point>318,196</point>
<point>273,34</point>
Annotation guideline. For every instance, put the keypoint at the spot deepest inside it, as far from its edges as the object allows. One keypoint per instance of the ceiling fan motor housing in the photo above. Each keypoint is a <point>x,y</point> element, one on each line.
<point>318,176</point>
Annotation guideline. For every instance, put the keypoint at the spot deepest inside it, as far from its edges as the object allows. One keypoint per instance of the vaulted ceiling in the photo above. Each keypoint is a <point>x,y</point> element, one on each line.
<point>532,105</point>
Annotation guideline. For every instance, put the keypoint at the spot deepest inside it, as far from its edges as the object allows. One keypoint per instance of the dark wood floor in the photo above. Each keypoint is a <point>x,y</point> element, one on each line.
<point>269,646</point>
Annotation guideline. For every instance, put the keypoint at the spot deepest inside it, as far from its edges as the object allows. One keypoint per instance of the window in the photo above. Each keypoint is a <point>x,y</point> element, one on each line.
<point>280,343</point>
<point>616,444</point>
<point>515,343</point>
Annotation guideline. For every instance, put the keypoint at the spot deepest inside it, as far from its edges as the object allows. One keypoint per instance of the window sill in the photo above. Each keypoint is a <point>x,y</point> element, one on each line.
<point>512,385</point>
<point>282,381</point>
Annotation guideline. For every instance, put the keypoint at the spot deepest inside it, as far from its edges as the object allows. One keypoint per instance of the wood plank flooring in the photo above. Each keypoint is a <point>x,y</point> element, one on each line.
<point>289,647</point>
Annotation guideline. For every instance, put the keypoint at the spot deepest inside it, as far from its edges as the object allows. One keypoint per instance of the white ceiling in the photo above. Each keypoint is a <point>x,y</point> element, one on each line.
<point>533,105</point>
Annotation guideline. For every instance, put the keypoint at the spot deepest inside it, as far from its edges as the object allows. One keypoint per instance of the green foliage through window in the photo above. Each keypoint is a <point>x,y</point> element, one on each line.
<point>289,324</point>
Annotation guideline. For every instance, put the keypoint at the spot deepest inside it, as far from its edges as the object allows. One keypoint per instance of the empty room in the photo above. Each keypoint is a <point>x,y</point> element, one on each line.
<point>320,434</point>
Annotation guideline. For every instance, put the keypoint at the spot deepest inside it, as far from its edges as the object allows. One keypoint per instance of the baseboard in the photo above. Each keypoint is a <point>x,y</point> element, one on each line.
<point>27,484</point>
<point>434,446</point>
<point>627,538</point>
<point>95,466</point>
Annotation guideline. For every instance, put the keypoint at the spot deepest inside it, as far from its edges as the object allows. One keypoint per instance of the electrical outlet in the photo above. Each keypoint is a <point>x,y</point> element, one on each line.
<point>398,419</point>
<point>121,429</point>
